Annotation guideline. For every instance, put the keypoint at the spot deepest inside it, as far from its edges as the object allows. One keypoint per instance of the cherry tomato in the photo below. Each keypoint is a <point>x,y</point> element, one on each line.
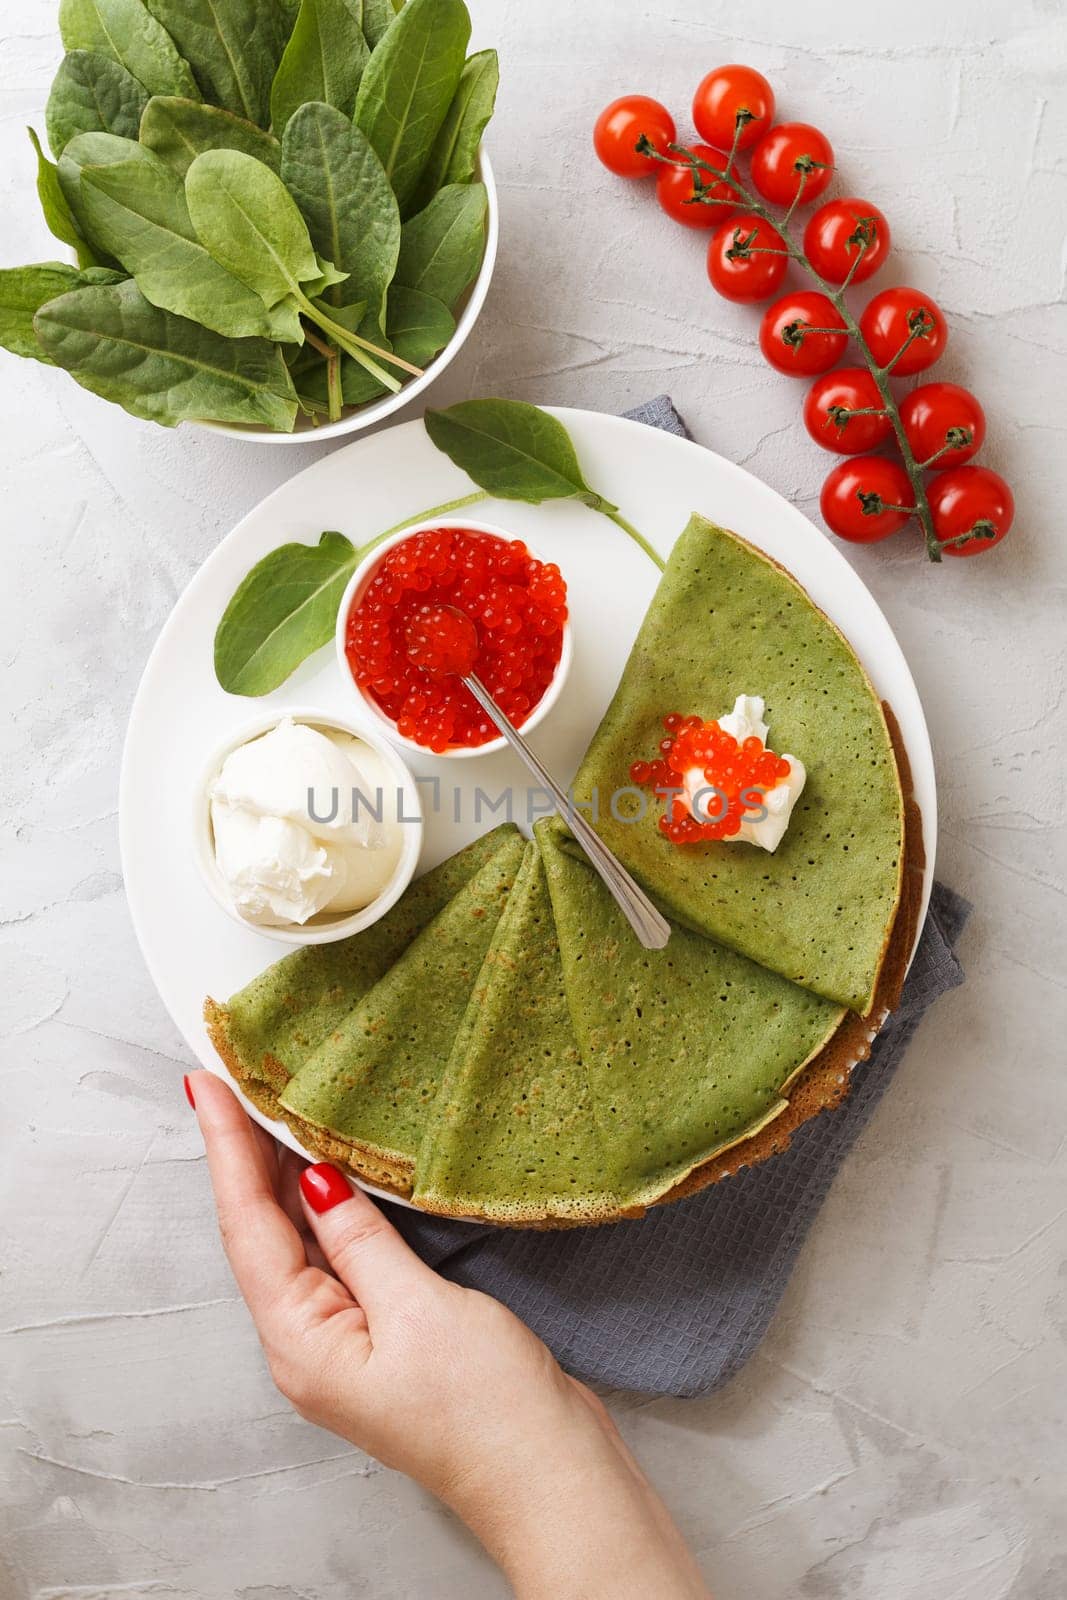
<point>834,235</point>
<point>723,96</point>
<point>789,348</point>
<point>896,315</point>
<point>933,413</point>
<point>674,191</point>
<point>855,493</point>
<point>847,389</point>
<point>792,158</point>
<point>620,125</point>
<point>965,497</point>
<point>746,277</point>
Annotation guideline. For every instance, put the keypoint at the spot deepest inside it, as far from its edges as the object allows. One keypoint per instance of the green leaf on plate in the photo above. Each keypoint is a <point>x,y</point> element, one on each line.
<point>514,450</point>
<point>323,60</point>
<point>441,248</point>
<point>179,130</point>
<point>454,157</point>
<point>127,31</point>
<point>162,367</point>
<point>245,216</point>
<point>285,609</point>
<point>408,85</point>
<point>92,94</point>
<point>56,211</point>
<point>132,205</point>
<point>233,47</point>
<point>337,180</point>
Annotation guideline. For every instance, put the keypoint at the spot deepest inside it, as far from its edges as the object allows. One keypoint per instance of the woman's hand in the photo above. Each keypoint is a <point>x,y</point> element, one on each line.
<point>440,1382</point>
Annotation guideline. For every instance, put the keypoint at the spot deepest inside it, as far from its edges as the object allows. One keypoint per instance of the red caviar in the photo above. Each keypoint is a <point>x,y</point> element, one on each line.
<point>450,601</point>
<point>733,770</point>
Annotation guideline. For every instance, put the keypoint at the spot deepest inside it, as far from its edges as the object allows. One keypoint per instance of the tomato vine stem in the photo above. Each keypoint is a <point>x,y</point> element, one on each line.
<point>835,293</point>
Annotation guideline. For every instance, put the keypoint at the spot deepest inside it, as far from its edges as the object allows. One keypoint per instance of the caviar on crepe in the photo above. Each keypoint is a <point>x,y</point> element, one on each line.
<point>716,784</point>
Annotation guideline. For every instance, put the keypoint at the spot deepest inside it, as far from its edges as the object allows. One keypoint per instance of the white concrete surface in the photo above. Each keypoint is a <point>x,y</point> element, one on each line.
<point>900,1435</point>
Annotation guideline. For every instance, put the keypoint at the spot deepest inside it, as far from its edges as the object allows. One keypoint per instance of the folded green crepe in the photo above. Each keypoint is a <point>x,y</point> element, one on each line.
<point>726,620</point>
<point>514,1136</point>
<point>591,1076</point>
<point>267,1030</point>
<point>374,1078</point>
<point>688,1049</point>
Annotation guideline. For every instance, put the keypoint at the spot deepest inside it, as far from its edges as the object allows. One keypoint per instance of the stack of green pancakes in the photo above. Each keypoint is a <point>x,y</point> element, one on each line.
<point>500,1046</point>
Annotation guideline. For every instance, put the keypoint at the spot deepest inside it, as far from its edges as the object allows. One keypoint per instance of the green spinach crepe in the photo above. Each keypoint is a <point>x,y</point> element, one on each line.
<point>726,620</point>
<point>374,1078</point>
<point>515,1136</point>
<point>266,1032</point>
<point>591,1076</point>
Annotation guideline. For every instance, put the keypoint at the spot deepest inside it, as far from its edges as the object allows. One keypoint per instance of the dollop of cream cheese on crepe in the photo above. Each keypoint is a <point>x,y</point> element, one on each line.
<point>744,722</point>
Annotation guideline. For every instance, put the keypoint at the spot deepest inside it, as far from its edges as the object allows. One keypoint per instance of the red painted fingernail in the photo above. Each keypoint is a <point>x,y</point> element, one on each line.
<point>189,1091</point>
<point>324,1187</point>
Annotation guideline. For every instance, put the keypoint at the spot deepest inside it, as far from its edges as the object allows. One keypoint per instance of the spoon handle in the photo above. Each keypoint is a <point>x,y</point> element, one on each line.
<point>652,930</point>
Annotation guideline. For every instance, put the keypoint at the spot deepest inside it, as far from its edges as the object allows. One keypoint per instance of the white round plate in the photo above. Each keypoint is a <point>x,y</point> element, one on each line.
<point>192,949</point>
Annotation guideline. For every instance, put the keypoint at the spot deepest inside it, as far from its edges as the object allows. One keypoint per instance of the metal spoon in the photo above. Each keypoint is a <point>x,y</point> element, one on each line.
<point>652,930</point>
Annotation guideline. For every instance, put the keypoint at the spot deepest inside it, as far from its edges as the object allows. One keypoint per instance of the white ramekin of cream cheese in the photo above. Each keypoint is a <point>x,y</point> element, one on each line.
<point>307,828</point>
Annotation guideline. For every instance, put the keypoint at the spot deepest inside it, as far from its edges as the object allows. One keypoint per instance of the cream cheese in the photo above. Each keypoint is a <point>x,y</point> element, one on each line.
<point>743,722</point>
<point>292,839</point>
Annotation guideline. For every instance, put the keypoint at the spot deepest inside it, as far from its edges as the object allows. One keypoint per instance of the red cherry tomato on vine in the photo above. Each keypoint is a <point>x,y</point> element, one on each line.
<point>792,158</point>
<point>849,389</point>
<point>855,494</point>
<point>723,95</point>
<point>965,497</point>
<point>896,315</point>
<point>935,411</point>
<point>842,231</point>
<point>750,273</point>
<point>789,348</point>
<point>620,125</point>
<point>674,191</point>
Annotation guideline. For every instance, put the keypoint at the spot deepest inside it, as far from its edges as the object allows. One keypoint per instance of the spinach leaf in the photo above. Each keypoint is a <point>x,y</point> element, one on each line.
<point>233,47</point>
<point>132,205</point>
<point>246,217</point>
<point>333,174</point>
<point>23,290</point>
<point>408,85</point>
<point>127,31</point>
<point>454,157</point>
<point>441,248</point>
<point>57,213</point>
<point>418,327</point>
<point>92,94</point>
<point>162,367</point>
<point>323,60</point>
<point>377,15</point>
<point>513,450</point>
<point>180,130</point>
<point>284,609</point>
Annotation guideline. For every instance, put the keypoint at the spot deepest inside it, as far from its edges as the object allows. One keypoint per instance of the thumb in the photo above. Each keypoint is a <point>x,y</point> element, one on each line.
<point>368,1255</point>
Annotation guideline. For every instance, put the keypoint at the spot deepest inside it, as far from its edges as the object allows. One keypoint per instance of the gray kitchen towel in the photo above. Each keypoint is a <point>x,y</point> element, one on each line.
<point>676,1303</point>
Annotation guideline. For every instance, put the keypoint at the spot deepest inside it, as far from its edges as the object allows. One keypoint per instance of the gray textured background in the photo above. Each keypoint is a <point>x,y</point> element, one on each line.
<point>897,1435</point>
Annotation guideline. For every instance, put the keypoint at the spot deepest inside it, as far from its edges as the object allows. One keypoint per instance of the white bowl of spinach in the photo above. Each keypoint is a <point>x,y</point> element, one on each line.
<point>283,223</point>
